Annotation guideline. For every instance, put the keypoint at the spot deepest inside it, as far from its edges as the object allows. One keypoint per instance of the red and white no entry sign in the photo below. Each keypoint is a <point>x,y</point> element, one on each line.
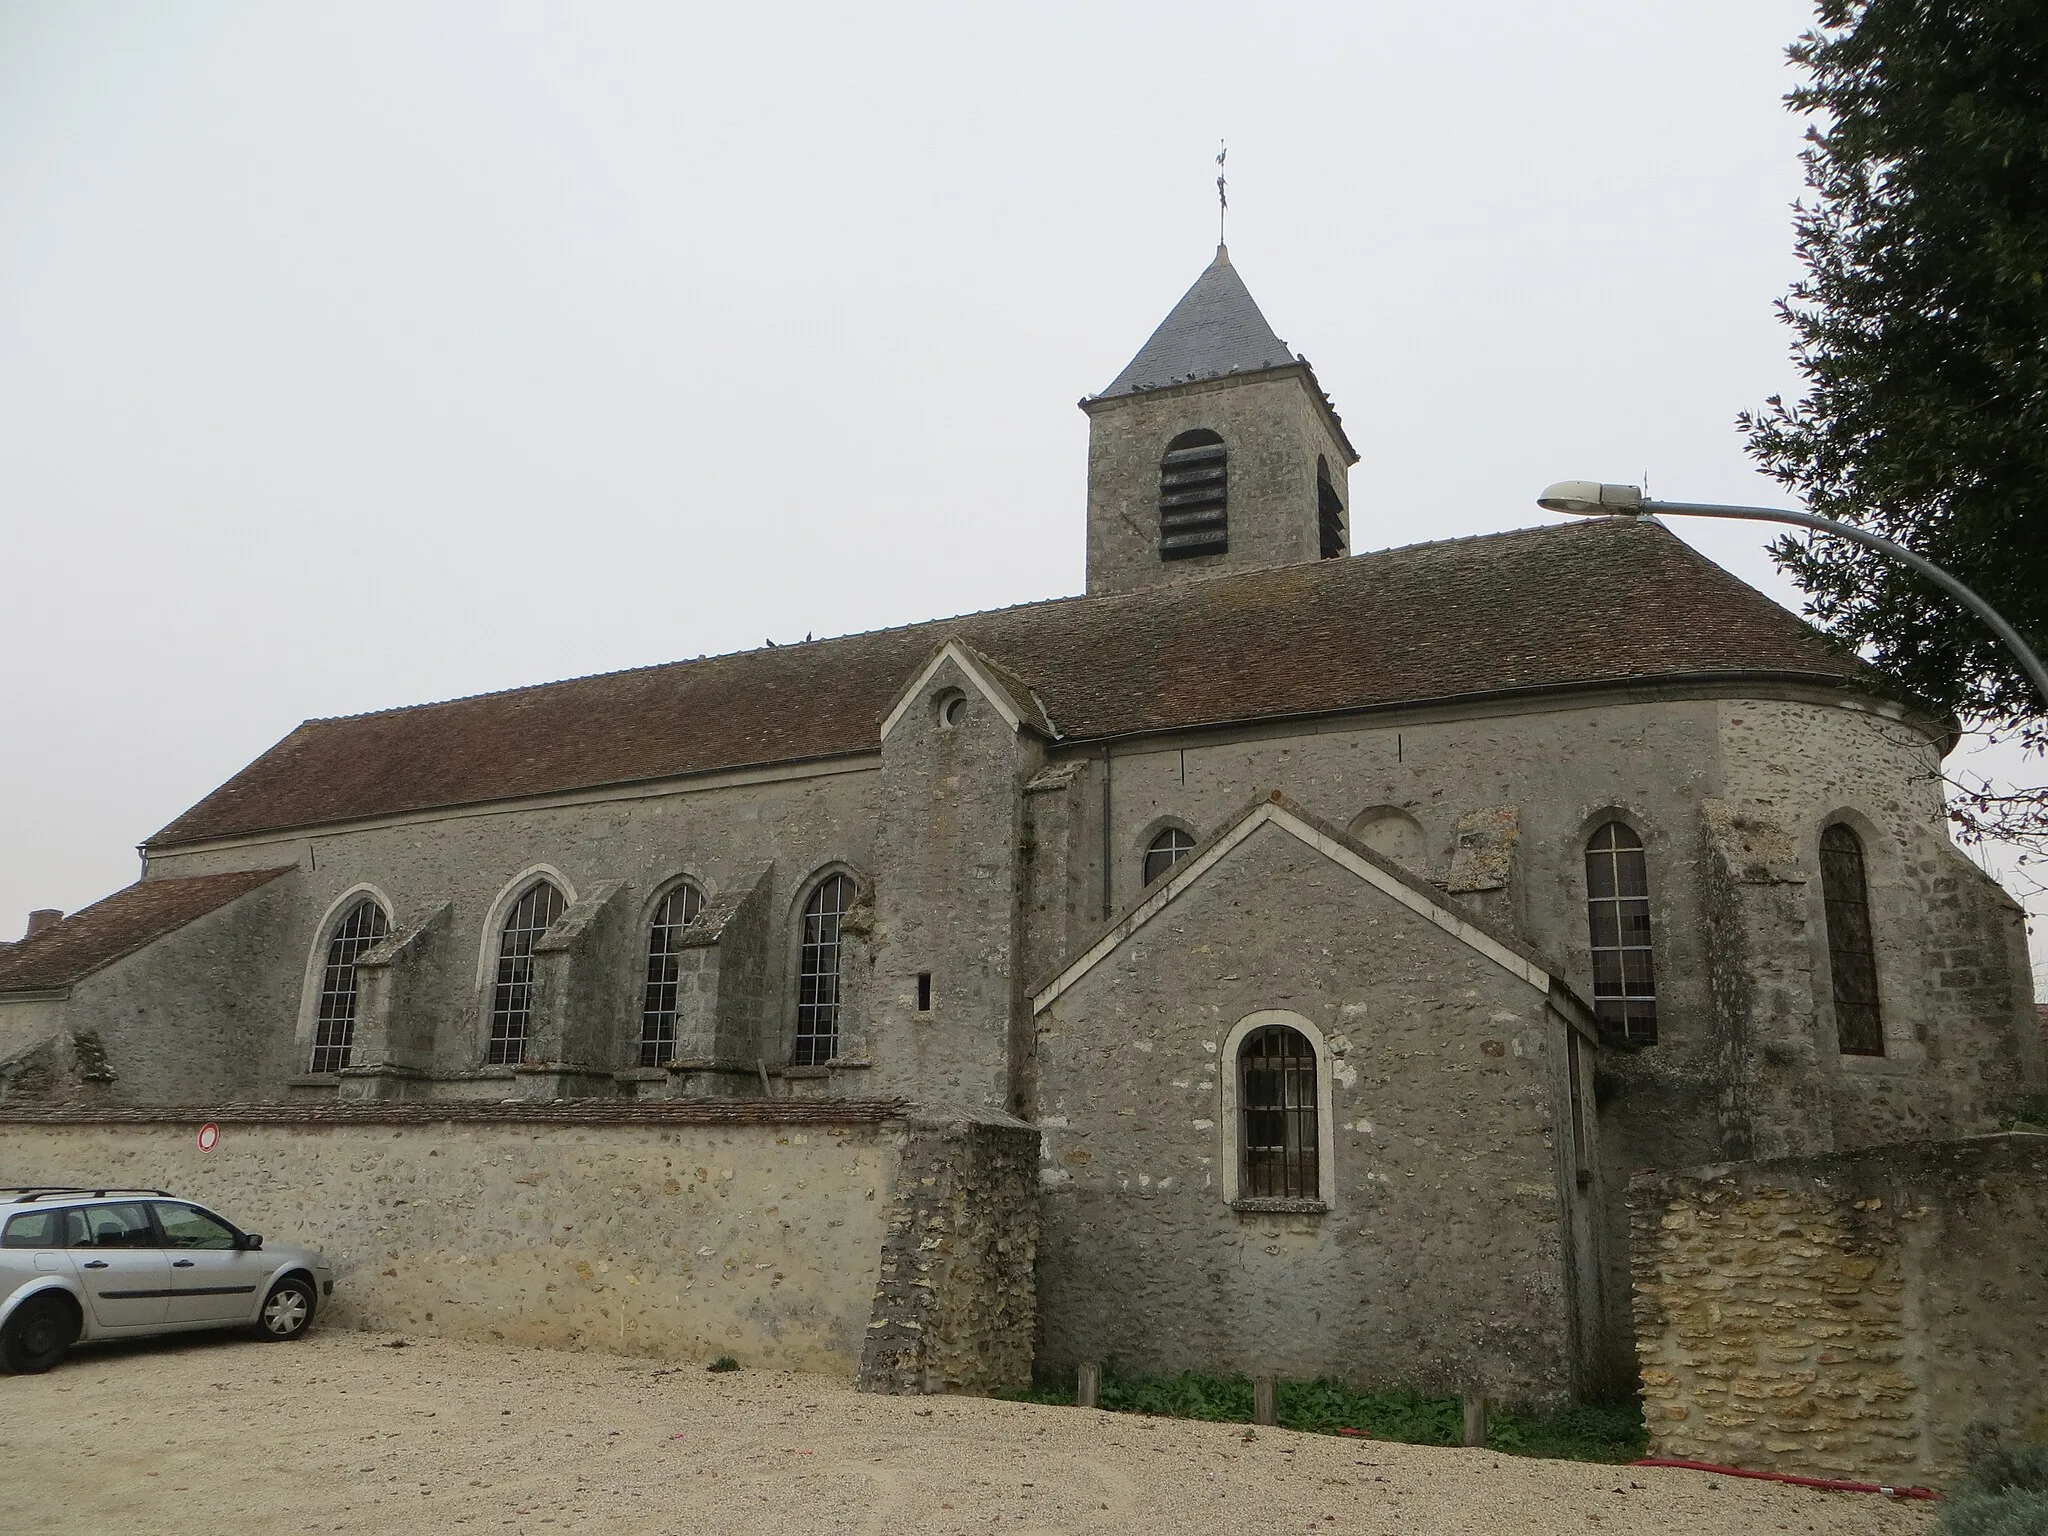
<point>209,1136</point>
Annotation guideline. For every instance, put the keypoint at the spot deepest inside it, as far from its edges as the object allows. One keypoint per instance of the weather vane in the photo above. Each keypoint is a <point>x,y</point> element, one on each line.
<point>1222,198</point>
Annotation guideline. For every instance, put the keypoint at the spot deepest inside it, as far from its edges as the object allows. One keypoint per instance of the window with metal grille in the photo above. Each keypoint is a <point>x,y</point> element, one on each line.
<point>1276,1097</point>
<point>1167,850</point>
<point>677,911</point>
<point>817,974</point>
<point>512,996</point>
<point>1852,952</point>
<point>1618,910</point>
<point>334,1034</point>
<point>1194,497</point>
<point>1329,512</point>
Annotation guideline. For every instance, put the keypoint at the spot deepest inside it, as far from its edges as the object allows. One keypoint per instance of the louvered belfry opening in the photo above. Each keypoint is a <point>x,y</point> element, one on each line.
<point>1329,513</point>
<point>1194,496</point>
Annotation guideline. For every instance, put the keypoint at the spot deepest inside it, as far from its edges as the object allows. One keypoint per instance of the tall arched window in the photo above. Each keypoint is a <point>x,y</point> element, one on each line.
<point>1618,910</point>
<point>1276,1105</point>
<point>1329,512</point>
<point>335,1033</point>
<point>664,945</point>
<point>817,973</point>
<point>1167,850</point>
<point>512,996</point>
<point>1194,495</point>
<point>1852,952</point>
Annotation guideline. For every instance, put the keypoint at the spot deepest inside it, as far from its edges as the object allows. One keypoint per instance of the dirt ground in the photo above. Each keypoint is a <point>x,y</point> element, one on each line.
<point>342,1432</point>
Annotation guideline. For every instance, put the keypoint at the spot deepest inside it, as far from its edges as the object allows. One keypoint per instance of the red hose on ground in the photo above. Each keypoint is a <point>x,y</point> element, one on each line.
<point>1832,1485</point>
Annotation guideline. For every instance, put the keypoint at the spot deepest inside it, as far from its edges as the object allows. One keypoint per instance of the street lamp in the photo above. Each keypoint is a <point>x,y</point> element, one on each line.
<point>1588,498</point>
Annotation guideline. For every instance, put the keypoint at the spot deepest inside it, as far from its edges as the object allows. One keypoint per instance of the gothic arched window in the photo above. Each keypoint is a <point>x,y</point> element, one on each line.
<point>1276,1106</point>
<point>335,1033</point>
<point>512,995</point>
<point>1852,952</point>
<point>1194,494</point>
<point>1618,912</point>
<point>1167,850</point>
<point>664,969</point>
<point>1329,512</point>
<point>817,972</point>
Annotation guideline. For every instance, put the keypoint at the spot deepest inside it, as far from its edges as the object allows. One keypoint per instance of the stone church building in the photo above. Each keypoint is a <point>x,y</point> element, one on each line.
<point>1348,925</point>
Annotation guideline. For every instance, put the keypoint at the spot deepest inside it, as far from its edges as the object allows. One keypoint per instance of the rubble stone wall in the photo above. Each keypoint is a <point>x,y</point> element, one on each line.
<point>1879,1315</point>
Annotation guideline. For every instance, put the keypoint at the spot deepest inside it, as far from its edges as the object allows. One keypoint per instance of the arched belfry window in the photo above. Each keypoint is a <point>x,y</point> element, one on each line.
<point>335,1031</point>
<point>1852,952</point>
<point>1276,1105</point>
<point>678,909</point>
<point>1618,912</point>
<point>1194,496</point>
<point>1329,512</point>
<point>1167,850</point>
<point>512,993</point>
<point>817,972</point>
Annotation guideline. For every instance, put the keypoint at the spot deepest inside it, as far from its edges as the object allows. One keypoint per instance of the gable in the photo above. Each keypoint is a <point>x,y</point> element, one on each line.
<point>1353,860</point>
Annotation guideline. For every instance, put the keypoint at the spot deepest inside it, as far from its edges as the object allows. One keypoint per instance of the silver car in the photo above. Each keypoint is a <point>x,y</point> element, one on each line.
<point>87,1264</point>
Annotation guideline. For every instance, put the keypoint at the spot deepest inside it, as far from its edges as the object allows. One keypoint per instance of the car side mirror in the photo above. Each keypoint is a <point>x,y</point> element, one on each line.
<point>250,1241</point>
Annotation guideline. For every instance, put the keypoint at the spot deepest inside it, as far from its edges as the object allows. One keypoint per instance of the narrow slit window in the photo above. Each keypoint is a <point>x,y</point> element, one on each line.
<point>678,909</point>
<point>1329,512</point>
<point>1618,913</point>
<point>1276,1095</point>
<point>1194,497</point>
<point>817,982</point>
<point>1167,850</point>
<point>924,991</point>
<point>335,1034</point>
<point>1852,951</point>
<point>512,994</point>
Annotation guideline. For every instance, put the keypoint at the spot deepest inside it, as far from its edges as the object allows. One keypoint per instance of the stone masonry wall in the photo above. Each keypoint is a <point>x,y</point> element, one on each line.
<point>670,1230</point>
<point>956,1306</point>
<point>1875,1315</point>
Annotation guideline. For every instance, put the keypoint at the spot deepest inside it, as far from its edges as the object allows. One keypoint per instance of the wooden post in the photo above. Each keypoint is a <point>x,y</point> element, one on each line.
<point>1088,1390</point>
<point>1475,1419</point>
<point>1264,1409</point>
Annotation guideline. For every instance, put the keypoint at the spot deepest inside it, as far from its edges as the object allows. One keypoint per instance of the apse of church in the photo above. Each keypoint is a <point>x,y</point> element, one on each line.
<point>1345,926</point>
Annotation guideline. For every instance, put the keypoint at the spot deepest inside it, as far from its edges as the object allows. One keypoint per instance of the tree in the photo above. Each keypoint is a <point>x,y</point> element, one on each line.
<point>1922,326</point>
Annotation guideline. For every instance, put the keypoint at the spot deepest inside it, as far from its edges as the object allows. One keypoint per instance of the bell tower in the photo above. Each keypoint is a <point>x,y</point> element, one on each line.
<point>1215,450</point>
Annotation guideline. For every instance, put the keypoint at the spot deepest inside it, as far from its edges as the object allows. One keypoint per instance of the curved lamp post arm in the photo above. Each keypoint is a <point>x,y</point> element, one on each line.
<point>2029,662</point>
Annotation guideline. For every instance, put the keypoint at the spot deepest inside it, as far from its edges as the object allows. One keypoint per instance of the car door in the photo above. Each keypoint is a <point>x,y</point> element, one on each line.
<point>127,1276</point>
<point>212,1280</point>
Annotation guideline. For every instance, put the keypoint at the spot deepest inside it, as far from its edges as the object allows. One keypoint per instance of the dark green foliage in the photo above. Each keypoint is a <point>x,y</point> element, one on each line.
<point>2005,1493</point>
<point>723,1363</point>
<point>1923,339</point>
<point>1576,1433</point>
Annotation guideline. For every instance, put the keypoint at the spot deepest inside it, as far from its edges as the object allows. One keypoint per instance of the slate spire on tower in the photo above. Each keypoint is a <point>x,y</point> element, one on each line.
<point>1216,329</point>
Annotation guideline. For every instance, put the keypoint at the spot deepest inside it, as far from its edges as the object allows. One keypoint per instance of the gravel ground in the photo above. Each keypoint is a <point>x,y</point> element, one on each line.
<point>342,1432</point>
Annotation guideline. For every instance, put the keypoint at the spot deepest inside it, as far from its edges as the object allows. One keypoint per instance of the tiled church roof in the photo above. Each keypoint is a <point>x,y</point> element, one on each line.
<point>96,936</point>
<point>1216,328</point>
<point>1603,601</point>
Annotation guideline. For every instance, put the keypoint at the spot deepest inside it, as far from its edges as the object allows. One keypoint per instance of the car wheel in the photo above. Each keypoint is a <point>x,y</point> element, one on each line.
<point>39,1335</point>
<point>287,1310</point>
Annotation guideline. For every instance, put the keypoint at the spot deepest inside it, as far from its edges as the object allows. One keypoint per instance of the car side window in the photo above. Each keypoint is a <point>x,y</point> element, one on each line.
<point>115,1226</point>
<point>33,1229</point>
<point>188,1227</point>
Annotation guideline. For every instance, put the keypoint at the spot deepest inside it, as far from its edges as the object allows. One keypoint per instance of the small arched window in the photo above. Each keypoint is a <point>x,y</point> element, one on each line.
<point>335,1033</point>
<point>817,972</point>
<point>1167,850</point>
<point>1194,497</point>
<point>678,909</point>
<point>1329,512</point>
<point>512,995</point>
<point>1852,953</point>
<point>1618,911</point>
<point>1276,1098</point>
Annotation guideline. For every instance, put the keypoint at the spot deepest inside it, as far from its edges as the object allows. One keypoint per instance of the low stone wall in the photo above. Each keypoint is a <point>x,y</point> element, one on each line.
<point>1880,1314</point>
<point>671,1229</point>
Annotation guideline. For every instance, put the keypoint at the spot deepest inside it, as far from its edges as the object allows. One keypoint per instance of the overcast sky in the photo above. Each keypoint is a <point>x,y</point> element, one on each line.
<point>361,355</point>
